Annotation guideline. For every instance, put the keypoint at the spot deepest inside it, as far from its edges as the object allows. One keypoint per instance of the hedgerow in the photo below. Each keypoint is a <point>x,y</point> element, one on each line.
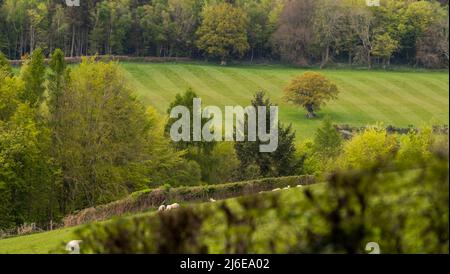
<point>151,198</point>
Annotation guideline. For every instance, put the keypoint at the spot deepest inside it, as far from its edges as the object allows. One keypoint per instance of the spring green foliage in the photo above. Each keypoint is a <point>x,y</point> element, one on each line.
<point>103,137</point>
<point>404,210</point>
<point>223,32</point>
<point>112,24</point>
<point>187,99</point>
<point>300,31</point>
<point>219,166</point>
<point>57,79</point>
<point>355,207</point>
<point>10,88</point>
<point>327,141</point>
<point>26,170</point>
<point>374,144</point>
<point>166,164</point>
<point>33,76</point>
<point>4,64</point>
<point>384,46</point>
<point>198,152</point>
<point>89,141</point>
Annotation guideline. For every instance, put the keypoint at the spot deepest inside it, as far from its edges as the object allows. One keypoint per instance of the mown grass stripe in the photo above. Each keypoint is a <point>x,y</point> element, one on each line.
<point>147,88</point>
<point>371,106</point>
<point>424,105</point>
<point>384,103</point>
<point>200,86</point>
<point>218,81</point>
<point>272,89</point>
<point>401,105</point>
<point>438,93</point>
<point>427,96</point>
<point>214,88</point>
<point>397,98</point>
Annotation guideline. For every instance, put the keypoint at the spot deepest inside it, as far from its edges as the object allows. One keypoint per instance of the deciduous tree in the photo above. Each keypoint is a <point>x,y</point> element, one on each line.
<point>223,32</point>
<point>310,91</point>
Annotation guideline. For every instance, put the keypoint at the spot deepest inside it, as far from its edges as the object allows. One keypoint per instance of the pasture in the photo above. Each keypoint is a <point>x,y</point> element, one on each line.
<point>392,97</point>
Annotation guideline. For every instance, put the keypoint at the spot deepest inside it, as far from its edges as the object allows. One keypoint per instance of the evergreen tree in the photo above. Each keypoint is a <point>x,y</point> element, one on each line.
<point>327,141</point>
<point>56,79</point>
<point>33,75</point>
<point>281,162</point>
<point>186,100</point>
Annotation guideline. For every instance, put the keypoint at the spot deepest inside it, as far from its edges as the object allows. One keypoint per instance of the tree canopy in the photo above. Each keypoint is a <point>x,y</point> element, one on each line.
<point>223,32</point>
<point>310,90</point>
<point>303,32</point>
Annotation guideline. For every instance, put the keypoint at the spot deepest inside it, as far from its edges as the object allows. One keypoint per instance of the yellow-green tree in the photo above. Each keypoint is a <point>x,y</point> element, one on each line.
<point>310,91</point>
<point>367,148</point>
<point>383,47</point>
<point>33,76</point>
<point>223,32</point>
<point>5,67</point>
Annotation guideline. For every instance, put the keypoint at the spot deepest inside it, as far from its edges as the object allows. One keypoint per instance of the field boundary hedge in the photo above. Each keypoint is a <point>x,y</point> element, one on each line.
<point>120,58</point>
<point>149,199</point>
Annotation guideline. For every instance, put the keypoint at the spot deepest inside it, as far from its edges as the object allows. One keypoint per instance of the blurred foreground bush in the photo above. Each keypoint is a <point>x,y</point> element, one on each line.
<point>404,210</point>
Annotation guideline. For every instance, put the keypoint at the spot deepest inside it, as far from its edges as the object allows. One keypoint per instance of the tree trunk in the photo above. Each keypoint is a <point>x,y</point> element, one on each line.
<point>310,114</point>
<point>325,57</point>
<point>72,46</point>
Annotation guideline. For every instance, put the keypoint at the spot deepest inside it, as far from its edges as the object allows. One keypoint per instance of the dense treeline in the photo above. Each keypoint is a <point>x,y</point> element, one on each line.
<point>305,32</point>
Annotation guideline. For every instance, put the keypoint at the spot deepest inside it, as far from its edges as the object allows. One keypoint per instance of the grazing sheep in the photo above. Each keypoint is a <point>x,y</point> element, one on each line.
<point>73,247</point>
<point>276,189</point>
<point>172,206</point>
<point>212,200</point>
<point>299,186</point>
<point>288,187</point>
<point>162,208</point>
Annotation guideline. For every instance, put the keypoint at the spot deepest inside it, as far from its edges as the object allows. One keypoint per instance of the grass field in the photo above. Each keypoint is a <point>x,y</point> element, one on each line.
<point>367,97</point>
<point>41,243</point>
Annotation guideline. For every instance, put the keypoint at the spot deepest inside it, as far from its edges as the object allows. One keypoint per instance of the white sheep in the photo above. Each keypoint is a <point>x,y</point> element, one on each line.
<point>73,247</point>
<point>172,207</point>
<point>288,187</point>
<point>212,200</point>
<point>276,189</point>
<point>299,186</point>
<point>162,208</point>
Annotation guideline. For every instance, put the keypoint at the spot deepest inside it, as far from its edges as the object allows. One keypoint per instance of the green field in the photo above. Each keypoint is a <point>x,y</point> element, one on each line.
<point>367,97</point>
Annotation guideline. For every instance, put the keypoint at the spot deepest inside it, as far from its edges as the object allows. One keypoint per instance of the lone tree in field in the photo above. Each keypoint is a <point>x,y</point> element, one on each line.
<point>310,90</point>
<point>223,31</point>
